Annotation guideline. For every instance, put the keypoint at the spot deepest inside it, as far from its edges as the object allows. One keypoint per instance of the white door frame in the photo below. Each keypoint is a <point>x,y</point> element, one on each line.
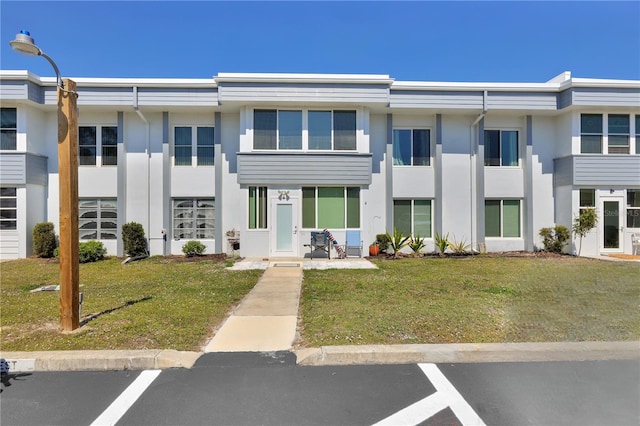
<point>292,249</point>
<point>605,216</point>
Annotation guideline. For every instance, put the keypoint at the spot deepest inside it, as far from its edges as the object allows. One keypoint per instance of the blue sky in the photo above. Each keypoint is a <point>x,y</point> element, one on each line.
<point>433,41</point>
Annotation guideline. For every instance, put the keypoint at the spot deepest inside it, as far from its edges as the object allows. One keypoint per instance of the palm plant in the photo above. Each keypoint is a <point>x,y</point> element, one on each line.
<point>442,243</point>
<point>417,244</point>
<point>397,242</point>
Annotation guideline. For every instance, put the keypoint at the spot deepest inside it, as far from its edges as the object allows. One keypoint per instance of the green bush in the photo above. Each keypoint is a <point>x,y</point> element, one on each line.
<point>397,241</point>
<point>193,248</point>
<point>417,244</point>
<point>91,251</point>
<point>383,241</point>
<point>442,243</point>
<point>554,239</point>
<point>135,244</point>
<point>44,239</point>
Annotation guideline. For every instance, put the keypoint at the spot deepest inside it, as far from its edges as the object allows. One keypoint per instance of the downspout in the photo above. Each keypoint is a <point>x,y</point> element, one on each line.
<point>148,152</point>
<point>472,162</point>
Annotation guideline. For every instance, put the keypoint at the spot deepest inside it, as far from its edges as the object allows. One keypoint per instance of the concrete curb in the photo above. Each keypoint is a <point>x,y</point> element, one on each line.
<point>99,360</point>
<point>468,353</point>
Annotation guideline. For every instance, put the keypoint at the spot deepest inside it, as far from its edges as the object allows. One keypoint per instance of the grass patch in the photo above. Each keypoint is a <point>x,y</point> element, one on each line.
<point>149,304</point>
<point>473,299</point>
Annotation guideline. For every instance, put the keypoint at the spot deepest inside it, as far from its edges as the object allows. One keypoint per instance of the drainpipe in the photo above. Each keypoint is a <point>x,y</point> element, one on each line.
<point>472,162</point>
<point>148,152</point>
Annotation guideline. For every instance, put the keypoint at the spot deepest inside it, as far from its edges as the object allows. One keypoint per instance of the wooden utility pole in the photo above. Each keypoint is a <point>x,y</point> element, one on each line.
<point>68,189</point>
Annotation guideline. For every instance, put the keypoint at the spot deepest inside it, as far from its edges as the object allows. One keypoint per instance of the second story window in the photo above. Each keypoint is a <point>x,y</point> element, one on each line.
<point>500,148</point>
<point>191,139</point>
<point>591,134</point>
<point>618,134</point>
<point>98,145</point>
<point>411,147</point>
<point>8,129</point>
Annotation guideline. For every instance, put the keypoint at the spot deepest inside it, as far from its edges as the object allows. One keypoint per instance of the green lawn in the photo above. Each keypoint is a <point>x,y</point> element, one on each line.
<point>473,299</point>
<point>149,304</point>
<point>162,304</point>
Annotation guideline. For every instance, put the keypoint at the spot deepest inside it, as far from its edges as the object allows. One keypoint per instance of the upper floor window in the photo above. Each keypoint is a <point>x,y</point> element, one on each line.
<point>8,129</point>
<point>187,142</point>
<point>283,130</point>
<point>638,134</point>
<point>8,209</point>
<point>98,219</point>
<point>194,218</point>
<point>98,145</point>
<point>633,208</point>
<point>500,148</point>
<point>257,207</point>
<point>412,217</point>
<point>411,147</point>
<point>331,207</point>
<point>502,218</point>
<point>618,134</point>
<point>591,133</point>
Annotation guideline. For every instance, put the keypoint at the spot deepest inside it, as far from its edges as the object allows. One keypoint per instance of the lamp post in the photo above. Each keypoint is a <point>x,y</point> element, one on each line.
<point>68,185</point>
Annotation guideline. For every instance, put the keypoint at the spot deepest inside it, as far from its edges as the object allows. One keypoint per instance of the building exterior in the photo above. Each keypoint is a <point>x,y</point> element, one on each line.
<point>265,159</point>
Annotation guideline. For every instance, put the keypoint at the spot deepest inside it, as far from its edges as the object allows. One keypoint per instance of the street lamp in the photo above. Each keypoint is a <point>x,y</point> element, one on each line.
<point>68,185</point>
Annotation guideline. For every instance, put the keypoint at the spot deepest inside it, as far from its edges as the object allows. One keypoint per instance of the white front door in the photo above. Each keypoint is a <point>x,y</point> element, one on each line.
<point>284,228</point>
<point>612,225</point>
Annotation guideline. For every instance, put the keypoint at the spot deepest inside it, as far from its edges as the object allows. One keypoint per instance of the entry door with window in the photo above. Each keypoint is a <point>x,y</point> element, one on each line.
<point>612,224</point>
<point>284,228</point>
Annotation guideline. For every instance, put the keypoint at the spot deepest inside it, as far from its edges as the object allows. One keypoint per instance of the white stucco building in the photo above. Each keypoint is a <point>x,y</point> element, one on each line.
<point>274,157</point>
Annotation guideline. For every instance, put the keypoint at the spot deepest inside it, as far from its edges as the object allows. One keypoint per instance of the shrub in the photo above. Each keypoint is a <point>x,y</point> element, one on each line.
<point>193,248</point>
<point>91,251</point>
<point>459,247</point>
<point>135,244</point>
<point>383,241</point>
<point>397,242</point>
<point>554,239</point>
<point>416,244</point>
<point>44,239</point>
<point>442,243</point>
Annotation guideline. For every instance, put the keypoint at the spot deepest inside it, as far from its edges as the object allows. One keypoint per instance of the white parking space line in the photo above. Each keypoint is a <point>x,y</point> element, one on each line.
<point>119,407</point>
<point>446,396</point>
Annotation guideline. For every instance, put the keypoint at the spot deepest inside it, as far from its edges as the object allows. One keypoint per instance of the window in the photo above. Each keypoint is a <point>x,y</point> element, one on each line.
<point>194,218</point>
<point>330,207</point>
<point>500,148</point>
<point>412,217</point>
<point>8,129</point>
<point>502,218</point>
<point>587,199</point>
<point>8,209</point>
<point>98,219</point>
<point>591,133</point>
<point>637,134</point>
<point>618,134</point>
<point>184,145</point>
<point>411,147</point>
<point>257,207</point>
<point>633,208</point>
<point>283,130</point>
<point>98,139</point>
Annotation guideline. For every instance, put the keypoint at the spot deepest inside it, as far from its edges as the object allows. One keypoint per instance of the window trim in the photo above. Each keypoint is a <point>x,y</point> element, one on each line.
<point>194,157</point>
<point>501,130</point>
<point>412,129</point>
<point>99,147</point>
<point>520,213</point>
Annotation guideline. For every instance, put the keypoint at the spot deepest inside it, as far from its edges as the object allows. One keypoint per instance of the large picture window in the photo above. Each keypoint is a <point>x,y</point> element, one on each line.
<point>411,147</point>
<point>8,209</point>
<point>8,129</point>
<point>331,207</point>
<point>98,219</point>
<point>500,148</point>
<point>194,218</point>
<point>98,145</point>
<point>257,207</point>
<point>283,130</point>
<point>633,208</point>
<point>502,218</point>
<point>412,217</point>
<point>193,139</point>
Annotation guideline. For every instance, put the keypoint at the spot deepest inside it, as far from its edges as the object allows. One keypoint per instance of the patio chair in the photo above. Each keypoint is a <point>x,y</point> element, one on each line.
<point>319,242</point>
<point>635,243</point>
<point>354,244</point>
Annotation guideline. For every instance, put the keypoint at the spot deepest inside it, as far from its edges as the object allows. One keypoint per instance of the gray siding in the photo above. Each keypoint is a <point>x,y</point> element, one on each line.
<point>105,96</point>
<point>301,92</point>
<point>564,99</point>
<point>304,169</point>
<point>605,97</point>
<point>435,99</point>
<point>10,90</point>
<point>520,100</point>
<point>186,96</point>
<point>35,92</point>
<point>20,168</point>
<point>595,170</point>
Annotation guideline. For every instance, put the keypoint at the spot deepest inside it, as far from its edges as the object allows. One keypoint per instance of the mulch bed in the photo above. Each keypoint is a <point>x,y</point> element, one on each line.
<point>536,254</point>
